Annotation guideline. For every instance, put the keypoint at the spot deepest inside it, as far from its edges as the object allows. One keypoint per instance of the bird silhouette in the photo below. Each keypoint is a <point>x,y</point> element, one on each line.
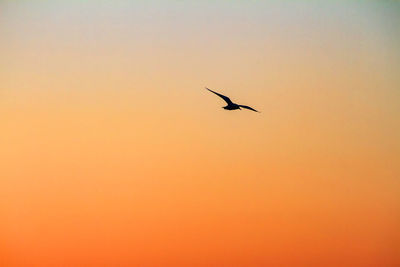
<point>231,105</point>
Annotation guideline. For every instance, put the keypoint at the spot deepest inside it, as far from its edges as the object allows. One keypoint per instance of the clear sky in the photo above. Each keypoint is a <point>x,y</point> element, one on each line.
<point>113,153</point>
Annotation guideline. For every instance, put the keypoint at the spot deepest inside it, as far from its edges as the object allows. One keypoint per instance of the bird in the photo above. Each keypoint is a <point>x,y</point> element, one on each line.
<point>231,105</point>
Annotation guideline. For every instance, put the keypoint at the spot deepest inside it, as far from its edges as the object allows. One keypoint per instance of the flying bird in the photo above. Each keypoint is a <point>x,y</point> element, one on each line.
<point>231,105</point>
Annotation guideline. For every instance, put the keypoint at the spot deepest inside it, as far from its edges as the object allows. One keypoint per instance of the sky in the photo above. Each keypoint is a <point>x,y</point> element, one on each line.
<point>114,154</point>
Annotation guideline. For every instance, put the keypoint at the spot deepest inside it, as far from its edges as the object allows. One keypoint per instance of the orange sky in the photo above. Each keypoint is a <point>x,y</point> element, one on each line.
<point>114,154</point>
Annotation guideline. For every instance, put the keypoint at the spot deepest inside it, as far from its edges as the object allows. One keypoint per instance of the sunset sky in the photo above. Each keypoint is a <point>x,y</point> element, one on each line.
<point>112,153</point>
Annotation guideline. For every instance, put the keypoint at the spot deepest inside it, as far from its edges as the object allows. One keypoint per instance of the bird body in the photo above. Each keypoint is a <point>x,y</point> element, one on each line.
<point>231,105</point>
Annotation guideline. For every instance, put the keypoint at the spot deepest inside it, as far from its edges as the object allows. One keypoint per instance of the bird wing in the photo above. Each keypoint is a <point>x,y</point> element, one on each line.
<point>227,100</point>
<point>247,107</point>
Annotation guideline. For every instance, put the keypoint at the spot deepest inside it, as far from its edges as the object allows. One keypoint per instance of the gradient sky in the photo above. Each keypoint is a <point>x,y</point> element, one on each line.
<point>113,154</point>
